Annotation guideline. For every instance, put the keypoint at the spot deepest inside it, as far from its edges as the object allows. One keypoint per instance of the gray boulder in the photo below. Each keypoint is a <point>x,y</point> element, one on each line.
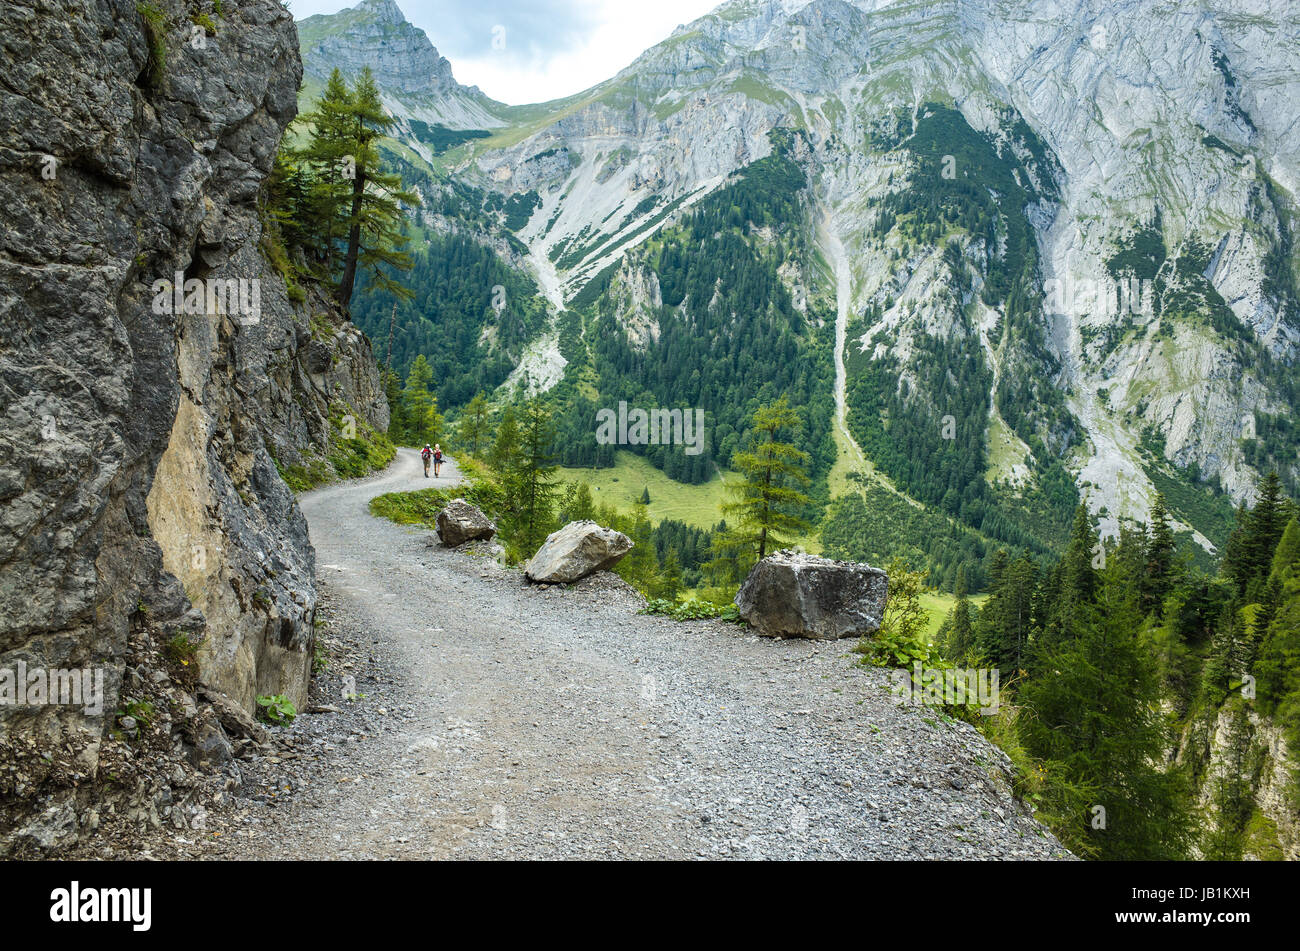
<point>790,594</point>
<point>575,551</point>
<point>460,522</point>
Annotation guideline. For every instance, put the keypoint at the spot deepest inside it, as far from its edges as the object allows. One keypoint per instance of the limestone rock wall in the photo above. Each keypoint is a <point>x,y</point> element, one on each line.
<point>139,495</point>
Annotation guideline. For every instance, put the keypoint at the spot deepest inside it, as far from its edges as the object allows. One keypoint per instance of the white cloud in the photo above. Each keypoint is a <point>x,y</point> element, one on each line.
<point>616,32</point>
<point>545,49</point>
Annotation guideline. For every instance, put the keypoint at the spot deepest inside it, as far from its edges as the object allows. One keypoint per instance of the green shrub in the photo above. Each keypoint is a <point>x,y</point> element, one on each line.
<point>182,650</point>
<point>278,709</point>
<point>155,33</point>
<point>691,609</point>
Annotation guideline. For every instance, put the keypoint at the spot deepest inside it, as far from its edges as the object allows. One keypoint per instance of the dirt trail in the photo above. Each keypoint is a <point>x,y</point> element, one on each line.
<point>502,720</point>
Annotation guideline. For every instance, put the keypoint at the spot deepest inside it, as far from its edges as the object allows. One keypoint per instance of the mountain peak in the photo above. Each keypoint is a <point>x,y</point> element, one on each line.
<point>385,11</point>
<point>416,80</point>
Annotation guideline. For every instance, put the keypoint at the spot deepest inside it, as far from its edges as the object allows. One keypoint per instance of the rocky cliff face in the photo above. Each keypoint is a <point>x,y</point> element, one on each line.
<point>144,524</point>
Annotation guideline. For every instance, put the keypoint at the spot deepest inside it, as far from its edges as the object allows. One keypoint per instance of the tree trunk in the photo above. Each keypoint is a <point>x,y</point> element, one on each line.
<point>349,278</point>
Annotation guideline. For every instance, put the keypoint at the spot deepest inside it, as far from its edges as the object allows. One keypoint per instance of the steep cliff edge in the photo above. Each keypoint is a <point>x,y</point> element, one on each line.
<point>144,528</point>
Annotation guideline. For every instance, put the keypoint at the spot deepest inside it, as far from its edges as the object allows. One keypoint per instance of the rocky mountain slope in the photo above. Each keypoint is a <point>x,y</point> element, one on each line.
<point>417,82</point>
<point>145,531</point>
<point>1112,249</point>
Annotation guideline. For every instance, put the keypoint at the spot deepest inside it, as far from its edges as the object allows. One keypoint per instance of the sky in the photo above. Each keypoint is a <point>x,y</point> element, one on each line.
<point>522,51</point>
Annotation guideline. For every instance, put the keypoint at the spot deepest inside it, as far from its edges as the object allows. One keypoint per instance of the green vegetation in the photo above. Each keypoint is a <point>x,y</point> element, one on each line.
<point>620,486</point>
<point>924,424</point>
<point>356,450</point>
<point>414,419</point>
<point>442,139</point>
<point>422,507</point>
<point>329,206</point>
<point>1112,652</point>
<point>767,496</point>
<point>142,711</point>
<point>691,609</point>
<point>516,486</point>
<point>154,23</point>
<point>902,638</point>
<point>278,709</point>
<point>731,337</point>
<point>453,283</point>
<point>1195,504</point>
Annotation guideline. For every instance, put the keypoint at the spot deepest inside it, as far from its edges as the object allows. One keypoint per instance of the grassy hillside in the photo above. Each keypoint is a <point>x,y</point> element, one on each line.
<point>622,485</point>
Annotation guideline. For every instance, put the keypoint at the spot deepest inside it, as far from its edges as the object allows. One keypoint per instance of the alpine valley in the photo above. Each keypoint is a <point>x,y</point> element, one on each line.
<point>1004,264</point>
<point>1004,256</point>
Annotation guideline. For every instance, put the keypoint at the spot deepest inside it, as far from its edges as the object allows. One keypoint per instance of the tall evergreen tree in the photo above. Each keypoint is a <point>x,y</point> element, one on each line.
<point>765,500</point>
<point>1092,715</point>
<point>473,423</point>
<point>959,636</point>
<point>1076,581</point>
<point>420,416</point>
<point>533,477</point>
<point>329,152</point>
<point>373,225</point>
<point>1158,566</point>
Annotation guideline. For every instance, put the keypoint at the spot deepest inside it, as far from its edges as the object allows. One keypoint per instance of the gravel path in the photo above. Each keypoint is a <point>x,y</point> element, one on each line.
<point>503,720</point>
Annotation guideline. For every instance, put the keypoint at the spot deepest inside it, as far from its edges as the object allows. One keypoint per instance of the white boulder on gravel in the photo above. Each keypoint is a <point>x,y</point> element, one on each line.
<point>460,522</point>
<point>575,551</point>
<point>792,594</point>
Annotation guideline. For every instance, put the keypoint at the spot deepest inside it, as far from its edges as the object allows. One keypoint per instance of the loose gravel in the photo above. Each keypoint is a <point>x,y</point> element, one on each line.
<point>496,719</point>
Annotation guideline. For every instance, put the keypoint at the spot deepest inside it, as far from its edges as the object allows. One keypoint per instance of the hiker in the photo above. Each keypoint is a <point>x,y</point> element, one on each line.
<point>426,453</point>
<point>437,459</point>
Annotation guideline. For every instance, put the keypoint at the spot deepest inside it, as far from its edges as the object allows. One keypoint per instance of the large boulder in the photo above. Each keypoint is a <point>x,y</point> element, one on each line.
<point>575,551</point>
<point>790,594</point>
<point>459,522</point>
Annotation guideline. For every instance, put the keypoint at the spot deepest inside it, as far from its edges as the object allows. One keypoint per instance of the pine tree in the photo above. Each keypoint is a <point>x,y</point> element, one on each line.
<point>473,423</point>
<point>1076,583</point>
<point>1286,559</point>
<point>1267,523</point>
<point>1092,715</point>
<point>578,506</point>
<point>1158,567</point>
<point>764,501</point>
<point>639,567</point>
<point>398,424</point>
<point>1006,624</point>
<point>505,449</point>
<point>959,637</point>
<point>533,477</point>
<point>1248,557</point>
<point>420,416</point>
<point>374,218</point>
<point>670,577</point>
<point>730,558</point>
<point>1231,795</point>
<point>329,152</point>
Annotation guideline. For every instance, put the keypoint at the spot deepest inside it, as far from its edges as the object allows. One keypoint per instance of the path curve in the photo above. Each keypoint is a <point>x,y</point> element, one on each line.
<point>501,720</point>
